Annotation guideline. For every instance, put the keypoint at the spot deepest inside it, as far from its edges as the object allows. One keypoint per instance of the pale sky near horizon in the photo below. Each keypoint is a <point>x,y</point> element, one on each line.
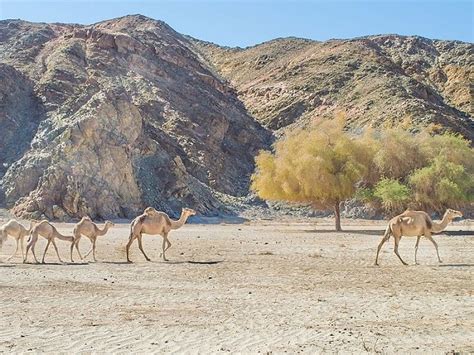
<point>243,23</point>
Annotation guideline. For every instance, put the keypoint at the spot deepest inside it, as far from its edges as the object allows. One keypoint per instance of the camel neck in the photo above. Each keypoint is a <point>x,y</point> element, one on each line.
<point>180,222</point>
<point>103,231</point>
<point>441,226</point>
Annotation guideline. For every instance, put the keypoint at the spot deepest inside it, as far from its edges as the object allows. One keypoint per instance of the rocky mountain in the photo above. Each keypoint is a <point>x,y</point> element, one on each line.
<point>376,80</point>
<point>106,119</point>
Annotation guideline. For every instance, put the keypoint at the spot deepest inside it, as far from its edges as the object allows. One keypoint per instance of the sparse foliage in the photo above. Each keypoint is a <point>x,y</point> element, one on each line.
<point>319,166</point>
<point>324,165</point>
<point>392,193</point>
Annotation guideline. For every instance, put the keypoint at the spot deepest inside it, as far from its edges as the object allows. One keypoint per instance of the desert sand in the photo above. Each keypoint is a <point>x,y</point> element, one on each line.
<point>259,287</point>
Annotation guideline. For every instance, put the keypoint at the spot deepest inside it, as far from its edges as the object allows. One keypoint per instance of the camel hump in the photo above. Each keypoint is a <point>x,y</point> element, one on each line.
<point>405,219</point>
<point>149,211</point>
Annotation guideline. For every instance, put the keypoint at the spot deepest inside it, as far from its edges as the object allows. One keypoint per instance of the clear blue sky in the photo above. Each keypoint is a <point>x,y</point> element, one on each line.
<point>244,22</point>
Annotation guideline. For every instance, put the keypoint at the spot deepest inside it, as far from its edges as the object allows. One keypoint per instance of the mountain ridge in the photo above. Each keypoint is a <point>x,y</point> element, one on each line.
<point>126,113</point>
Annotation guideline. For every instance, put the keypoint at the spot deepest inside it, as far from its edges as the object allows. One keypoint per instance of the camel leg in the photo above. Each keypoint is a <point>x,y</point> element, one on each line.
<point>429,237</point>
<point>31,245</point>
<point>165,241</point>
<point>78,251</point>
<point>416,247</point>
<point>169,244</point>
<point>75,243</point>
<point>92,249</point>
<point>45,250</point>
<point>382,242</point>
<point>34,253</point>
<point>141,247</point>
<point>28,246</point>
<point>22,247</point>
<point>395,250</point>
<point>16,250</point>
<point>127,248</point>
<point>56,248</point>
<point>93,253</point>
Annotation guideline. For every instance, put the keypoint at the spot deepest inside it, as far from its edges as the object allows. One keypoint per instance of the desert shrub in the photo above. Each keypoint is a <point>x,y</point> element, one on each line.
<point>400,153</point>
<point>442,184</point>
<point>392,193</point>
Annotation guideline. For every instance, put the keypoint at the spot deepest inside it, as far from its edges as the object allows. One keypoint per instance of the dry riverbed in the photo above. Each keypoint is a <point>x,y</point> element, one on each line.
<point>255,287</point>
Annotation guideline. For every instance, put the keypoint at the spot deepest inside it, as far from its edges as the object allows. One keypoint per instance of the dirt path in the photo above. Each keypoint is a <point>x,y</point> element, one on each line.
<point>243,288</point>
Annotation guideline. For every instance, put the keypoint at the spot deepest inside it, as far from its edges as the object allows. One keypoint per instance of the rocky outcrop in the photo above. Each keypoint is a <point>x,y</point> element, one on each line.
<point>129,117</point>
<point>109,118</point>
<point>20,114</point>
<point>376,80</point>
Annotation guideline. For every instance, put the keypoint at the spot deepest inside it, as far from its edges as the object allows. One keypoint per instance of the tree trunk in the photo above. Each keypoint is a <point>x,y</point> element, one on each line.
<point>337,216</point>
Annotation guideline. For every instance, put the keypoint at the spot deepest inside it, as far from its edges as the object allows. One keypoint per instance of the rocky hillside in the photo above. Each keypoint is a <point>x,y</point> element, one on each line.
<point>377,81</point>
<point>109,118</point>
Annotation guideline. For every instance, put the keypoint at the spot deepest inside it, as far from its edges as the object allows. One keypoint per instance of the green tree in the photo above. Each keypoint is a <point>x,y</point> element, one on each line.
<point>392,193</point>
<point>399,153</point>
<point>442,184</point>
<point>431,171</point>
<point>319,166</point>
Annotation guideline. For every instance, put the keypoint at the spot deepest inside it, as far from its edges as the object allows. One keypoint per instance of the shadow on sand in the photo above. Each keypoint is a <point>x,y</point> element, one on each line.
<point>205,262</point>
<point>382,231</point>
<point>456,265</point>
<point>347,231</point>
<point>210,262</point>
<point>66,263</point>
<point>7,265</point>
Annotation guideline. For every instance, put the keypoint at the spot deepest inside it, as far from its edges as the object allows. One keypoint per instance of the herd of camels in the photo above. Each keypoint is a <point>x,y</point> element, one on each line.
<point>409,224</point>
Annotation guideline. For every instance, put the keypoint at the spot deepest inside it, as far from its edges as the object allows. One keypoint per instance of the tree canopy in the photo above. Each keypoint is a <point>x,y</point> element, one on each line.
<point>323,165</point>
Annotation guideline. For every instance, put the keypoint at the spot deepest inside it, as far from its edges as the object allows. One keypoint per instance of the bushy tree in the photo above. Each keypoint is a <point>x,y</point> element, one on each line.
<point>399,153</point>
<point>392,193</point>
<point>323,165</point>
<point>319,166</point>
<point>431,172</point>
<point>442,184</point>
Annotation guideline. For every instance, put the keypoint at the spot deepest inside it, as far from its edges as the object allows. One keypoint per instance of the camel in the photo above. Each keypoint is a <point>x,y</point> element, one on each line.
<point>154,222</point>
<point>90,230</point>
<point>415,224</point>
<point>48,231</point>
<point>14,229</point>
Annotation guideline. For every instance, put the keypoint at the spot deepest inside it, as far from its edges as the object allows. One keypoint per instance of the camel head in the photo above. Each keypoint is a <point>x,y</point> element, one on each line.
<point>188,212</point>
<point>109,224</point>
<point>452,214</point>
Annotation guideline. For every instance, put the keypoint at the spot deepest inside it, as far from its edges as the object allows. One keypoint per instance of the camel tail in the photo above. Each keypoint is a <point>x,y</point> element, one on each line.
<point>388,232</point>
<point>30,235</point>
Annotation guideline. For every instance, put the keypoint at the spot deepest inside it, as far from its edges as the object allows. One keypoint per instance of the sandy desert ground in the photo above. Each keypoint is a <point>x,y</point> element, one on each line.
<point>261,287</point>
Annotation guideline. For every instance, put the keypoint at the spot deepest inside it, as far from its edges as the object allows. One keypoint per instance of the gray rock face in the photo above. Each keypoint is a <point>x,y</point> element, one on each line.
<point>128,116</point>
<point>20,114</point>
<point>378,81</point>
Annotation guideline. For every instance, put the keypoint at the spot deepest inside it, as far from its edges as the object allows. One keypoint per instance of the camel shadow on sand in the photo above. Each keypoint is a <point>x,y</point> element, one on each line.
<point>382,231</point>
<point>456,265</point>
<point>7,265</point>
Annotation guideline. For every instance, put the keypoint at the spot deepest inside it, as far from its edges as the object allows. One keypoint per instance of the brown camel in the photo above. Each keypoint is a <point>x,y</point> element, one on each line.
<point>415,224</point>
<point>14,229</point>
<point>154,222</point>
<point>88,229</point>
<point>48,231</point>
